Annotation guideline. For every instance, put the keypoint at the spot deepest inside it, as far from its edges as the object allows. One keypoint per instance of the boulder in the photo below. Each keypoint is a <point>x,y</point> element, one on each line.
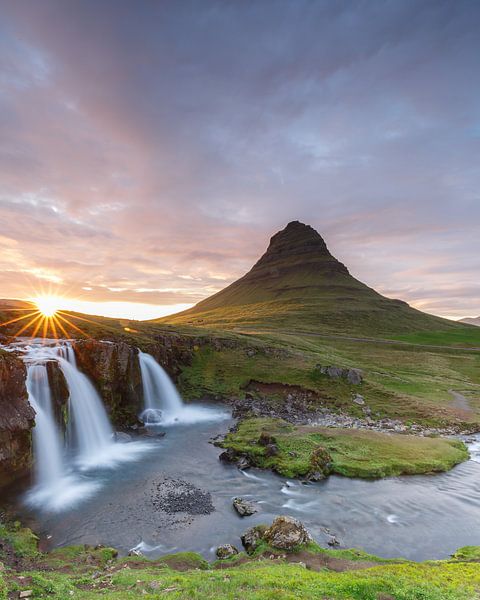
<point>286,533</point>
<point>353,376</point>
<point>243,507</point>
<point>320,464</point>
<point>226,551</point>
<point>252,537</point>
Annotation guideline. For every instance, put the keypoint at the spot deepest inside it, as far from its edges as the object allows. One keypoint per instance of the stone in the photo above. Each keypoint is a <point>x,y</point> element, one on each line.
<point>226,551</point>
<point>26,594</point>
<point>358,399</point>
<point>243,507</point>
<point>353,376</point>
<point>271,450</point>
<point>228,455</point>
<point>287,533</point>
<point>252,537</point>
<point>243,463</point>
<point>123,437</point>
<point>320,464</point>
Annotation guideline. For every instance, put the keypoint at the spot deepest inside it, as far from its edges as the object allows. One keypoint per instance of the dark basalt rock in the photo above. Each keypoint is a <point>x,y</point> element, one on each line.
<point>17,418</point>
<point>114,369</point>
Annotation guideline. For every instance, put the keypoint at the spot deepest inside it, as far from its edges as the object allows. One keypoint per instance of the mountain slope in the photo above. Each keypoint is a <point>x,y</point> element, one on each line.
<point>298,284</point>
<point>471,321</point>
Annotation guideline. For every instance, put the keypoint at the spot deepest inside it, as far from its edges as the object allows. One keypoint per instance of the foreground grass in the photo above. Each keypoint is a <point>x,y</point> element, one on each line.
<point>86,573</point>
<point>354,452</point>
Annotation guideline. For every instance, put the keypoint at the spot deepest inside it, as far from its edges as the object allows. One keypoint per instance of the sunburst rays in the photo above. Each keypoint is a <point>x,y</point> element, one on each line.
<point>43,319</point>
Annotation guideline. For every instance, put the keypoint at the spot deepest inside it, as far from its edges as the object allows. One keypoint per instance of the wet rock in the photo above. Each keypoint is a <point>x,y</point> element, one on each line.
<point>243,507</point>
<point>229,456</point>
<point>243,463</point>
<point>333,541</point>
<point>135,552</point>
<point>226,551</point>
<point>286,533</point>
<point>252,537</point>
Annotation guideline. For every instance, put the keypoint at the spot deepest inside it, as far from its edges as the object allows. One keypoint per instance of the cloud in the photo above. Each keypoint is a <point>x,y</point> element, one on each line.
<point>158,145</point>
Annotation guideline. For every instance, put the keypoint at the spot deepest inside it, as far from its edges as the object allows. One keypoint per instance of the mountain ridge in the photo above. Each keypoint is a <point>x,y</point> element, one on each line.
<point>298,283</point>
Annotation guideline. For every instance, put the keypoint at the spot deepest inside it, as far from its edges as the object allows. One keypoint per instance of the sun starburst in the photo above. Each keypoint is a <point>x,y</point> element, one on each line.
<point>44,318</point>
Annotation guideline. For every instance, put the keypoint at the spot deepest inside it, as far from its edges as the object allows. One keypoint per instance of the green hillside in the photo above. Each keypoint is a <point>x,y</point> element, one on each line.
<point>298,285</point>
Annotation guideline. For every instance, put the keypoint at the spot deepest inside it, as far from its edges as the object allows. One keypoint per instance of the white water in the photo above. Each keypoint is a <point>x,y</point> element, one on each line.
<point>47,443</point>
<point>89,430</point>
<point>162,402</point>
<point>90,442</point>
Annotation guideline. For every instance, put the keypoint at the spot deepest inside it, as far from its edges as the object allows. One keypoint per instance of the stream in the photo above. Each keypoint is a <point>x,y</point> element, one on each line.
<point>417,517</point>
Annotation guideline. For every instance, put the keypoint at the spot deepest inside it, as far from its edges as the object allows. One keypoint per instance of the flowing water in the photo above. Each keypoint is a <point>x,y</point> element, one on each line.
<point>76,499</point>
<point>163,404</point>
<point>418,517</point>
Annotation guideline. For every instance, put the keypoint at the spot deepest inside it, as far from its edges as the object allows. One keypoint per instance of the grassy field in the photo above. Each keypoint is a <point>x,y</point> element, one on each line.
<point>353,452</point>
<point>306,573</point>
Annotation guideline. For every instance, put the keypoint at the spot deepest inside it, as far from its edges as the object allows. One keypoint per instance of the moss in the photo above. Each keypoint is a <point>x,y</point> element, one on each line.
<point>467,553</point>
<point>354,452</point>
<point>22,540</point>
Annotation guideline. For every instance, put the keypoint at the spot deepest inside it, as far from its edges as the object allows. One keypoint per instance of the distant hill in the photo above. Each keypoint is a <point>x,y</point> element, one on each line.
<point>471,321</point>
<point>298,284</point>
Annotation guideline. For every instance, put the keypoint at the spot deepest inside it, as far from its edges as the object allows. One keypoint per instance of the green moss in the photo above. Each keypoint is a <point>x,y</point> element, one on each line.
<point>23,541</point>
<point>467,553</point>
<point>354,452</point>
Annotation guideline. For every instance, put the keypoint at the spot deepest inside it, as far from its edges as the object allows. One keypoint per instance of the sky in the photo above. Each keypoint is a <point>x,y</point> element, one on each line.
<point>148,150</point>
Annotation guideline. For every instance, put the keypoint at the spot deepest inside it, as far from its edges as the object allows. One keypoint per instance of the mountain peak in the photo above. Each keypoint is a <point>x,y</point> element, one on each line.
<point>298,245</point>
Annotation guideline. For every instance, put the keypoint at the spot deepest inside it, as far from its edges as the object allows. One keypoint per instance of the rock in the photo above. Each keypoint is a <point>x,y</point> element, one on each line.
<point>353,376</point>
<point>17,419</point>
<point>252,537</point>
<point>266,439</point>
<point>26,594</point>
<point>120,436</point>
<point>286,533</point>
<point>333,541</point>
<point>226,551</point>
<point>228,455</point>
<point>135,552</point>
<point>243,507</point>
<point>271,450</point>
<point>243,463</point>
<point>359,399</point>
<point>320,464</point>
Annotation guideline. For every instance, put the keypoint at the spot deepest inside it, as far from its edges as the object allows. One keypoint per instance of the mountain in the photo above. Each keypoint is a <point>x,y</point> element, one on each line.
<point>471,321</point>
<point>298,284</point>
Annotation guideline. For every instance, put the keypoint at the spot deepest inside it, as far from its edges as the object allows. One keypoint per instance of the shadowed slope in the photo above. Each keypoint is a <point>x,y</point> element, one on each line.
<point>298,284</point>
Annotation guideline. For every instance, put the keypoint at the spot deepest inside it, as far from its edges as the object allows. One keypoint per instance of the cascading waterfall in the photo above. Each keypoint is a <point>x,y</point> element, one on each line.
<point>162,402</point>
<point>89,430</point>
<point>90,439</point>
<point>48,449</point>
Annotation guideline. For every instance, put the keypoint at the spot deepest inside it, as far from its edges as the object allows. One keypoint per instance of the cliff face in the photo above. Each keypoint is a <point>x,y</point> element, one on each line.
<point>114,370</point>
<point>16,419</point>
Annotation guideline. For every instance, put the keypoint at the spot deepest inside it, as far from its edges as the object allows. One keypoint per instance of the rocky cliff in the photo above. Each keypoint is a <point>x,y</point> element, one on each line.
<point>16,419</point>
<point>115,371</point>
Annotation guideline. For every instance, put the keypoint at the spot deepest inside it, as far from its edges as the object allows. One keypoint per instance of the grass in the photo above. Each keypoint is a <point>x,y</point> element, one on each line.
<point>354,453</point>
<point>88,574</point>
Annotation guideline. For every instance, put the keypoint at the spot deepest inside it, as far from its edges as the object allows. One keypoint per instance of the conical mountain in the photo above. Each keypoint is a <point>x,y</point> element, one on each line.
<point>297,284</point>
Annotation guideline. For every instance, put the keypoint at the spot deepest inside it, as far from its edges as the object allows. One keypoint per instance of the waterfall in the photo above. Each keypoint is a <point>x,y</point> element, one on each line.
<point>163,404</point>
<point>47,444</point>
<point>89,430</point>
<point>162,401</point>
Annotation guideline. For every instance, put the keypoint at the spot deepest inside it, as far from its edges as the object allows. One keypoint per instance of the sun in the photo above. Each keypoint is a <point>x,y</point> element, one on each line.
<point>48,305</point>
